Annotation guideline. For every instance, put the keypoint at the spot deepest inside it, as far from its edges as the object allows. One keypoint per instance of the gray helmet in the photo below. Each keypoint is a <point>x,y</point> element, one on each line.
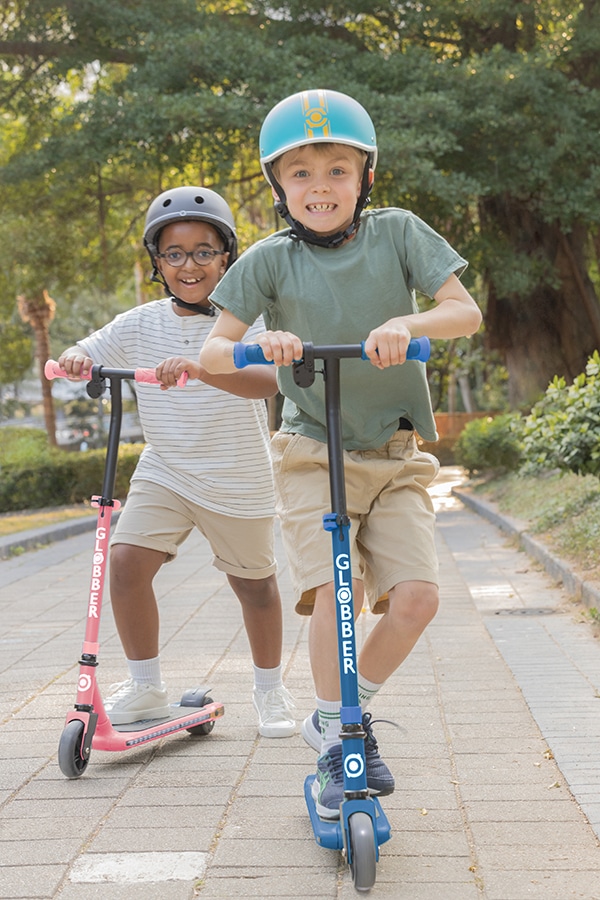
<point>185,203</point>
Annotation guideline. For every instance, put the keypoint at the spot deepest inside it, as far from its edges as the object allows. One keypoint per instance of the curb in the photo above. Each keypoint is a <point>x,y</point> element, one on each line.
<point>16,544</point>
<point>582,590</point>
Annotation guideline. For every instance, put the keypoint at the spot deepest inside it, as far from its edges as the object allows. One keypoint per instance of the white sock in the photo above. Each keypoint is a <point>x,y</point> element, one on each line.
<point>146,671</point>
<point>267,679</point>
<point>367,690</point>
<point>329,723</point>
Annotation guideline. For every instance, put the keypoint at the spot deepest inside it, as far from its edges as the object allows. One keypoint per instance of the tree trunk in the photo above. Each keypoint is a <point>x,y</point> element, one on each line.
<point>553,329</point>
<point>38,311</point>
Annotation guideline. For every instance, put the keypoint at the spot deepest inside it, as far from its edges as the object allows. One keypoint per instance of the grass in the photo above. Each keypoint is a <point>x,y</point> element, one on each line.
<point>13,523</point>
<point>562,510</point>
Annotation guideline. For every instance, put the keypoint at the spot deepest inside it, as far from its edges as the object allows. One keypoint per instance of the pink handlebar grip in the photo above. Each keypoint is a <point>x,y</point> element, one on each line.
<point>143,376</point>
<point>53,370</point>
<point>147,376</point>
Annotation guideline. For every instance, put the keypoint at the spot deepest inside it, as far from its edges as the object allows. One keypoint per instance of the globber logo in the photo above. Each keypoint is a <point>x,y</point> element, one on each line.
<point>316,116</point>
<point>344,598</point>
<point>354,765</point>
<point>98,562</point>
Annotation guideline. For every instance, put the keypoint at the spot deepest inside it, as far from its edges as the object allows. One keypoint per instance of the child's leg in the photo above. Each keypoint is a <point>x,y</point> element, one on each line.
<point>132,571</point>
<point>322,639</point>
<point>412,606</point>
<point>261,610</point>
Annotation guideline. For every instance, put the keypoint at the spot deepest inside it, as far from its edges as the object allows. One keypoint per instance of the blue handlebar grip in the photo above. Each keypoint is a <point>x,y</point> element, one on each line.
<point>418,348</point>
<point>248,355</point>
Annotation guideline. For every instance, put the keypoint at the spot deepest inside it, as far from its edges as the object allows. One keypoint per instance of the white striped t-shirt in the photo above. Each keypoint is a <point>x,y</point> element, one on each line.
<point>208,446</point>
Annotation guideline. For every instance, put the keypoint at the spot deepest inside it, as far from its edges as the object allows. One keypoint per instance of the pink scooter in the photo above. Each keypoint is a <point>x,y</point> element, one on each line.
<point>87,725</point>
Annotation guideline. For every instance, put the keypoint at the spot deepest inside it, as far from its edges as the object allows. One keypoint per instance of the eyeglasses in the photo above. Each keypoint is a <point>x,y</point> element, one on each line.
<point>177,257</point>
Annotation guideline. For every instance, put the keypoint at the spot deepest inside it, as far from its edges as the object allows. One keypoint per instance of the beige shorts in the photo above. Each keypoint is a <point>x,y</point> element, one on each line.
<point>392,517</point>
<point>159,519</point>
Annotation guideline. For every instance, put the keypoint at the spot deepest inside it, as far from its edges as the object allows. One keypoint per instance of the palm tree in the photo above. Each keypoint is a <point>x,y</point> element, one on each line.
<point>38,311</point>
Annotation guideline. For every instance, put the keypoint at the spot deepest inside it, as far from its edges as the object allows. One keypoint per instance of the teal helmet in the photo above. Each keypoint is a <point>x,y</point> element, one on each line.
<point>310,117</point>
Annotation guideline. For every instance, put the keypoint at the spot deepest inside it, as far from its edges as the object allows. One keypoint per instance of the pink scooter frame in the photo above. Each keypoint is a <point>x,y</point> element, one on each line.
<point>88,726</point>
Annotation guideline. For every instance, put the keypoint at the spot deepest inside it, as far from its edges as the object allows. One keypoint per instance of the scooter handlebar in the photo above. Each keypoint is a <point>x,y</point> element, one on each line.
<point>142,376</point>
<point>252,354</point>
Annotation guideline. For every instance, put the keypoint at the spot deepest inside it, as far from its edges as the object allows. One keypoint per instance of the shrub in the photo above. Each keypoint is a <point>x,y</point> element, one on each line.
<point>19,443</point>
<point>489,443</point>
<point>563,429</point>
<point>59,478</point>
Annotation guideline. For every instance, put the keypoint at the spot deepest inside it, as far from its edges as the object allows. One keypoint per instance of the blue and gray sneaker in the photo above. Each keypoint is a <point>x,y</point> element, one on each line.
<point>380,780</point>
<point>328,786</point>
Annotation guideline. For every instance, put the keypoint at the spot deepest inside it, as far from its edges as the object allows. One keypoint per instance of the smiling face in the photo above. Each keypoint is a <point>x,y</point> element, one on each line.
<point>322,184</point>
<point>191,282</point>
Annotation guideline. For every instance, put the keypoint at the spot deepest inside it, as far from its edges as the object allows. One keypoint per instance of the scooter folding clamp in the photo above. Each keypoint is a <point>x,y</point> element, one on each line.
<point>304,370</point>
<point>332,521</point>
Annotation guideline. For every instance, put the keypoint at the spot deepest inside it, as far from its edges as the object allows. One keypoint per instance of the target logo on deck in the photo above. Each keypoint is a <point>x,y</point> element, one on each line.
<point>85,682</point>
<point>354,765</point>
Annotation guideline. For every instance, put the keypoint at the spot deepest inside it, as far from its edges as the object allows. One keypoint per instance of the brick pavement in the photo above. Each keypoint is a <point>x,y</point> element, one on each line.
<point>496,760</point>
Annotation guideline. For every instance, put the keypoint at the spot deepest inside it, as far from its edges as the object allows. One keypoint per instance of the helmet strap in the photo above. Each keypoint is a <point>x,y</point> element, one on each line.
<point>300,233</point>
<point>192,307</point>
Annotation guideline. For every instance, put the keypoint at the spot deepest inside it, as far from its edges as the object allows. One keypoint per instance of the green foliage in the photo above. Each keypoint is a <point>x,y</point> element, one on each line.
<point>489,443</point>
<point>58,478</point>
<point>561,506</point>
<point>563,428</point>
<point>17,351</point>
<point>486,115</point>
<point>21,445</point>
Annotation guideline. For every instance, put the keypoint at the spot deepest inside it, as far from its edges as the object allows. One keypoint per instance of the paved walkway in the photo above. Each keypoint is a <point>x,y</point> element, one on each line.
<point>497,762</point>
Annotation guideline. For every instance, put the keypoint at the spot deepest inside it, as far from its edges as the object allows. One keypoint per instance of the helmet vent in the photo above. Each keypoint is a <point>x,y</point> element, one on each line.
<point>199,199</point>
<point>167,202</point>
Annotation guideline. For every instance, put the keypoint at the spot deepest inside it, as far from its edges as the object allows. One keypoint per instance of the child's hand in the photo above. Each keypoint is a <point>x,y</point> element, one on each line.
<point>281,347</point>
<point>387,344</point>
<point>170,370</point>
<point>76,366</point>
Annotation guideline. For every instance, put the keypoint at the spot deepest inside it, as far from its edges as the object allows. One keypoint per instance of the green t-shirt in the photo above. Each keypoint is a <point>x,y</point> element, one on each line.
<point>337,296</point>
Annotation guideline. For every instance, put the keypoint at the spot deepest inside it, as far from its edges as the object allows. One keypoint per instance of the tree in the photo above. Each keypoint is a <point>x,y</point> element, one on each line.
<point>38,311</point>
<point>486,112</point>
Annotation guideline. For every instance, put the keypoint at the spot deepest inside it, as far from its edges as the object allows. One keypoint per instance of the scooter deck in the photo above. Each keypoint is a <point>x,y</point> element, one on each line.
<point>192,716</point>
<point>328,832</point>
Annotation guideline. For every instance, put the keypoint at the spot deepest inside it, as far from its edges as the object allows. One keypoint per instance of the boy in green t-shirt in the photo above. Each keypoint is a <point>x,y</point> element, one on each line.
<point>340,274</point>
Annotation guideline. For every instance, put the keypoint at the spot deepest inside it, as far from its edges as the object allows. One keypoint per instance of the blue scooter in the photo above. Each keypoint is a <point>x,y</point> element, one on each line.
<point>362,825</point>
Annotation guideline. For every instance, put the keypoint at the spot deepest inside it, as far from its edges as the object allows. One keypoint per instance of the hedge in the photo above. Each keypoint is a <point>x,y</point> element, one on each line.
<point>60,478</point>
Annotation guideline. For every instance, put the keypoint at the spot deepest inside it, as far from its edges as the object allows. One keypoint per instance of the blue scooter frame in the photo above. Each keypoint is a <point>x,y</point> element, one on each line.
<point>362,825</point>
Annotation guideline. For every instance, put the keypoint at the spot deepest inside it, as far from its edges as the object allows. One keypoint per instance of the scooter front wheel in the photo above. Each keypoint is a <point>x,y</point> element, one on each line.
<point>71,762</point>
<point>363,856</point>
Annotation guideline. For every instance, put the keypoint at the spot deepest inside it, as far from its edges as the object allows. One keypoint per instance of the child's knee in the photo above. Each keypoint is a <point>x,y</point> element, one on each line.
<point>416,601</point>
<point>256,592</point>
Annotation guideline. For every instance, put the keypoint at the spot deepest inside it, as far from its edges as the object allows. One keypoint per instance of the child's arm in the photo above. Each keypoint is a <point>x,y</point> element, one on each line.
<point>217,354</point>
<point>253,383</point>
<point>455,315</point>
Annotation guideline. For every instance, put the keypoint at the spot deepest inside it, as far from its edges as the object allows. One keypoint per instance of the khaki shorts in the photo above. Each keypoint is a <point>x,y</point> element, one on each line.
<point>391,513</point>
<point>159,519</point>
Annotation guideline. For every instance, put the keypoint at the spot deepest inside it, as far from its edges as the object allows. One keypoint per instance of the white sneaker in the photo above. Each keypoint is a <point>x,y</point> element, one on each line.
<point>274,710</point>
<point>135,702</point>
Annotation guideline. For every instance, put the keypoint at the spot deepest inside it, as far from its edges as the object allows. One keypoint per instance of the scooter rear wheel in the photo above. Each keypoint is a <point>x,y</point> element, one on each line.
<point>70,760</point>
<point>206,727</point>
<point>363,861</point>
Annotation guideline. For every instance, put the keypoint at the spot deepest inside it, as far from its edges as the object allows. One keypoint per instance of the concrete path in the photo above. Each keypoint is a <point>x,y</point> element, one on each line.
<point>497,759</point>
